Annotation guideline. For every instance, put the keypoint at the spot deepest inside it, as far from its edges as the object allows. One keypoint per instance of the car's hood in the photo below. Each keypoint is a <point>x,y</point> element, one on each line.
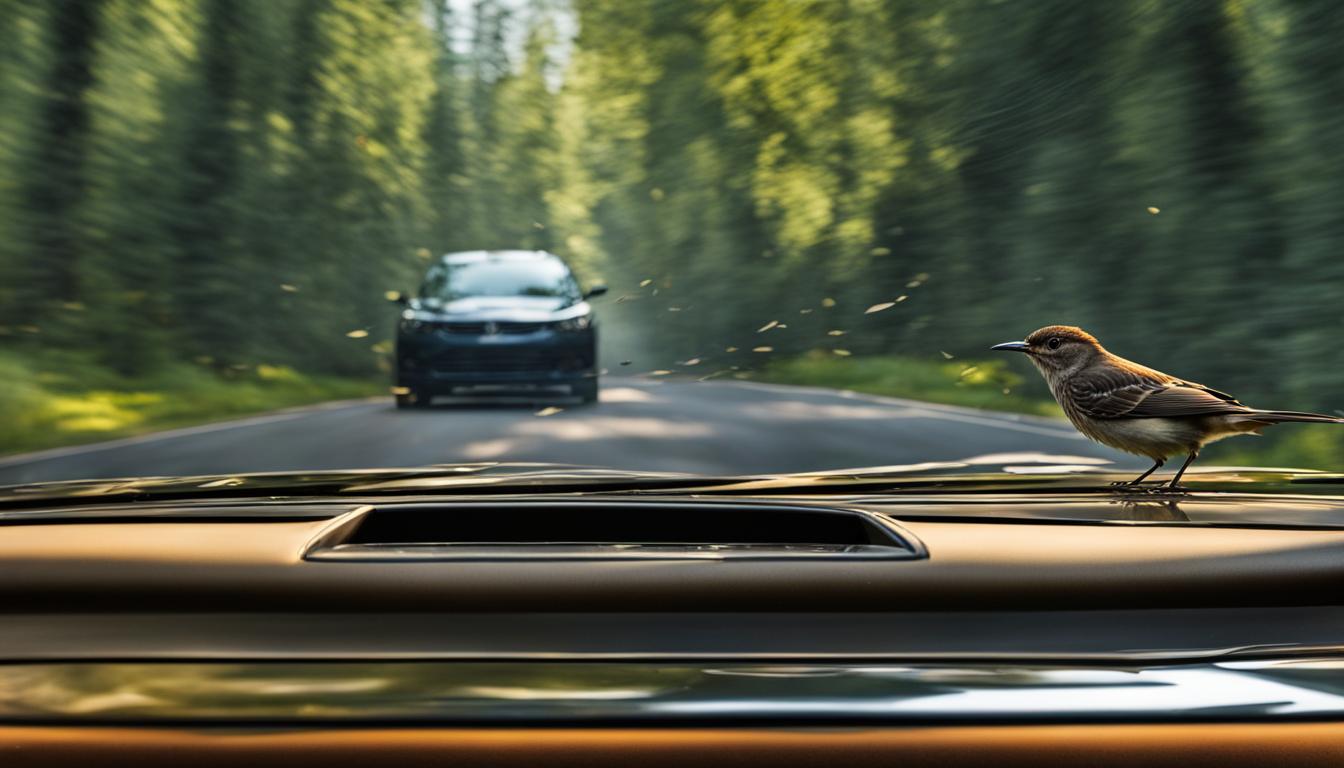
<point>1031,490</point>
<point>514,308</point>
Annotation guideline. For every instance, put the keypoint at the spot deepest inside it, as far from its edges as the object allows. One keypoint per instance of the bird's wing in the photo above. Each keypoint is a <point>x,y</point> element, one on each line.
<point>1138,394</point>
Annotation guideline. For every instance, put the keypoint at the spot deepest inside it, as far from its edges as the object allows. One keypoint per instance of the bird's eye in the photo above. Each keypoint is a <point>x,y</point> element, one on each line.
<point>1053,343</point>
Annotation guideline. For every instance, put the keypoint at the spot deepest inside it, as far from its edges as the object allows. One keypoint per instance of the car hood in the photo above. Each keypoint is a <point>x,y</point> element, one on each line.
<point>508,308</point>
<point>1242,496</point>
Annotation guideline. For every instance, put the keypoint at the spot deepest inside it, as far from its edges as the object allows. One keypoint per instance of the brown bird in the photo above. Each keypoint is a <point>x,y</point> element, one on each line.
<point>1135,408</point>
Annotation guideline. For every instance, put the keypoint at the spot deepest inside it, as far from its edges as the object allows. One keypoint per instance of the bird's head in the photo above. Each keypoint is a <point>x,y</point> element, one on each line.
<point>1056,348</point>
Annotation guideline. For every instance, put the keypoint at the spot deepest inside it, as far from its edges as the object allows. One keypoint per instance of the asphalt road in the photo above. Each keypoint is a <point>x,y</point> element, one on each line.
<point>714,427</point>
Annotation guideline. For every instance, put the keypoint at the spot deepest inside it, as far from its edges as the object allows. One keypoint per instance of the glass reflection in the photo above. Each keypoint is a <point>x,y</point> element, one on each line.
<point>485,692</point>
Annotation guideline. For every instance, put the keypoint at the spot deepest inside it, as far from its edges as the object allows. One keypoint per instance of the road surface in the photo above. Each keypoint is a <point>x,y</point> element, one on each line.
<point>714,427</point>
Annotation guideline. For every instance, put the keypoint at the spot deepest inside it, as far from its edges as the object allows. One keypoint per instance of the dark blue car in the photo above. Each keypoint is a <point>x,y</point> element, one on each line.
<point>497,321</point>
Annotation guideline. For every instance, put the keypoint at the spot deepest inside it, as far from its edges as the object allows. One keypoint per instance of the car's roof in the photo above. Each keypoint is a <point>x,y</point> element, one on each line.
<point>467,257</point>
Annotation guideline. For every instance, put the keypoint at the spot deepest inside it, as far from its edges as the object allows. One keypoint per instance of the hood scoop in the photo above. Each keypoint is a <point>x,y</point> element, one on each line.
<point>611,530</point>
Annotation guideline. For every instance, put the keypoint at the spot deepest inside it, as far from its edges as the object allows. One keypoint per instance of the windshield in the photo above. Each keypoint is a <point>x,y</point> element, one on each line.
<point>545,278</point>
<point>1090,242</point>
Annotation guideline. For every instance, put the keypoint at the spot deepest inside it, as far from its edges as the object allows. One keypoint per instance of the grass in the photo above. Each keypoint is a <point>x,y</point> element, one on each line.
<point>59,401</point>
<point>994,385</point>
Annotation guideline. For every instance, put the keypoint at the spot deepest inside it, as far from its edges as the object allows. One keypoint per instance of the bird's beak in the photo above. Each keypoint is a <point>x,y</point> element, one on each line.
<point>1011,346</point>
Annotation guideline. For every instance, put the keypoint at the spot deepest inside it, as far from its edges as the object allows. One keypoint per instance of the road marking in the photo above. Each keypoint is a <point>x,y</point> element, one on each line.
<point>1012,422</point>
<point>149,437</point>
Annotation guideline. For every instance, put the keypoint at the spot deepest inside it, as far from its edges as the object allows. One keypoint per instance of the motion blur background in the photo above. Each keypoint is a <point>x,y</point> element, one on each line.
<point>203,202</point>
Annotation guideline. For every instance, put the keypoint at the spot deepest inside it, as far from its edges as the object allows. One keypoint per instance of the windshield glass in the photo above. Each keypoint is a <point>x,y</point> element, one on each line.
<point>499,277</point>
<point>1080,241</point>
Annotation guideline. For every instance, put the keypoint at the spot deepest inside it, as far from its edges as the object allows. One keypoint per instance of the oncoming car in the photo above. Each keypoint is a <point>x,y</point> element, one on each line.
<point>497,321</point>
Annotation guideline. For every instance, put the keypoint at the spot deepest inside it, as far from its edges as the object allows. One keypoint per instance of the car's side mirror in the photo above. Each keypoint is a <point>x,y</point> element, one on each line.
<point>397,297</point>
<point>596,290</point>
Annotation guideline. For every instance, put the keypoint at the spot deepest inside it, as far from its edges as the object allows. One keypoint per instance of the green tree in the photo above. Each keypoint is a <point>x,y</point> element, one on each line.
<point>54,181</point>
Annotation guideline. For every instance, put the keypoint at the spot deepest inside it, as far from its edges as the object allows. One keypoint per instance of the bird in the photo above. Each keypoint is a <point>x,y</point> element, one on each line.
<point>1137,409</point>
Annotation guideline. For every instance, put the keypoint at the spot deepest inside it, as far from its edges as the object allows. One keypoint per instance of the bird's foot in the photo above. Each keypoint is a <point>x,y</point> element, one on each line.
<point>1131,488</point>
<point>1157,489</point>
<point>1137,485</point>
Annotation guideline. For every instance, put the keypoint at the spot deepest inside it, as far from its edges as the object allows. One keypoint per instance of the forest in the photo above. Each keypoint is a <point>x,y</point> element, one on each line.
<point>232,186</point>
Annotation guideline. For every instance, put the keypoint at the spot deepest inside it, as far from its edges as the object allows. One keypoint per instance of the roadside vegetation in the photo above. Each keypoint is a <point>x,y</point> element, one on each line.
<point>65,400</point>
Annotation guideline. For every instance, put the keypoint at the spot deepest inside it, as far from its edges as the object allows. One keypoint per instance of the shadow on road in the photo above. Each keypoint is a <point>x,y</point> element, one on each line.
<point>496,403</point>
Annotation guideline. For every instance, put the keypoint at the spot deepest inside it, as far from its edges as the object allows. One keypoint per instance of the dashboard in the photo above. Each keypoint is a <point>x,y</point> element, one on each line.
<point>593,628</point>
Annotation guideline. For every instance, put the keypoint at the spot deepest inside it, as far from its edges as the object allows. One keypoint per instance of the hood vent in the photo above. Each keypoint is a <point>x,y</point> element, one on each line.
<point>605,530</point>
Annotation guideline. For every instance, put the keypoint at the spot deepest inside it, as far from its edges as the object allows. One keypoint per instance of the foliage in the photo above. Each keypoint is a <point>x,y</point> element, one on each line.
<point>62,399</point>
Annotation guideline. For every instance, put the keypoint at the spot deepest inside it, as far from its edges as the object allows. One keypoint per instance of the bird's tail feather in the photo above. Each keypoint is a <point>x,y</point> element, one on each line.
<point>1274,417</point>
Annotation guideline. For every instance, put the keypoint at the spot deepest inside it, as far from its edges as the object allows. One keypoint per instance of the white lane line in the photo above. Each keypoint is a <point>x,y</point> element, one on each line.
<point>1016,423</point>
<point>218,426</point>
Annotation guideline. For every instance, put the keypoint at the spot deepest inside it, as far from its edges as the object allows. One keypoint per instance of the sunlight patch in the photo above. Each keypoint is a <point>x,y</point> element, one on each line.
<point>625,395</point>
<point>605,428</point>
<point>489,449</point>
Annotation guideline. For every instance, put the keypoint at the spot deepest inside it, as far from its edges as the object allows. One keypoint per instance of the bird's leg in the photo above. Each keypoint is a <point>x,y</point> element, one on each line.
<point>1174,484</point>
<point>1140,478</point>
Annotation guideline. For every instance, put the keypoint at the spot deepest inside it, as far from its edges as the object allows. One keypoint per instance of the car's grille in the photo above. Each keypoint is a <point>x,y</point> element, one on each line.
<point>485,328</point>
<point>502,361</point>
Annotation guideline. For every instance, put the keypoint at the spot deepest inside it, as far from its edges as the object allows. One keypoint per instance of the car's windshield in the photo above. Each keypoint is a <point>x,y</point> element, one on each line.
<point>452,280</point>
<point>1075,240</point>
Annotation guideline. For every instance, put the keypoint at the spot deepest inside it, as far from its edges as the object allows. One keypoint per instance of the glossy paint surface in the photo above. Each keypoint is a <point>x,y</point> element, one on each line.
<point>596,693</point>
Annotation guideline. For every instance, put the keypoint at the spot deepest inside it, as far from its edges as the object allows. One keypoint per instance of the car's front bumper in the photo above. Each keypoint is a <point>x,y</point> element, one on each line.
<point>436,362</point>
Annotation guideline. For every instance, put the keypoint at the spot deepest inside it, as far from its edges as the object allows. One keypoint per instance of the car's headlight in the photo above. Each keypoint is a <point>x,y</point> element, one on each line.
<point>580,323</point>
<point>412,322</point>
